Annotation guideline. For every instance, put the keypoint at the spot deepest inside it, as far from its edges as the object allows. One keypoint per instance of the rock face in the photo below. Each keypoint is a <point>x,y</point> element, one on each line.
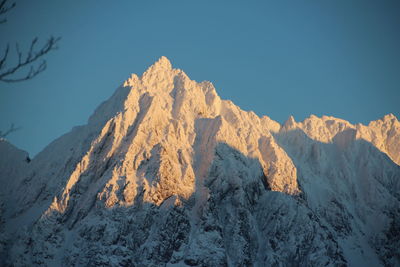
<point>166,173</point>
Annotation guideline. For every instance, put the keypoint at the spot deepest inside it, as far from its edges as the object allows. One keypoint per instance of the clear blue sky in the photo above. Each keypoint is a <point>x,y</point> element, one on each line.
<point>277,58</point>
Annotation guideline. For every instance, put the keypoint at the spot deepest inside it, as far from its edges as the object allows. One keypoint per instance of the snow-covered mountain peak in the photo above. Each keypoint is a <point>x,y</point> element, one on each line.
<point>389,116</point>
<point>167,173</point>
<point>290,123</point>
<point>163,62</point>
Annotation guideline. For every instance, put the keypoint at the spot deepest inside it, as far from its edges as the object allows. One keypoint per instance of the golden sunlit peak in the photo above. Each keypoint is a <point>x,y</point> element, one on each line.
<point>160,66</point>
<point>389,116</point>
<point>163,62</point>
<point>290,123</point>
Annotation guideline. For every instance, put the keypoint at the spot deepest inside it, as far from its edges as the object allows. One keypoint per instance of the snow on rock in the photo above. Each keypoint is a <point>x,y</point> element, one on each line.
<point>13,163</point>
<point>167,173</point>
<point>384,133</point>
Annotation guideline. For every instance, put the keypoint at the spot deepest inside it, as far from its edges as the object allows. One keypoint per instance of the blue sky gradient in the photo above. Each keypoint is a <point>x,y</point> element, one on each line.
<point>277,58</point>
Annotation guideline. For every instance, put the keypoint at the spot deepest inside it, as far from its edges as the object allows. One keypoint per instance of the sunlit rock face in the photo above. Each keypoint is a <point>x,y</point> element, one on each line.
<point>167,173</point>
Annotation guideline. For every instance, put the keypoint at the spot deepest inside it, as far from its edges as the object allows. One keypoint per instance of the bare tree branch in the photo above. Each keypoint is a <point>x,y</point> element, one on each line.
<point>4,8</point>
<point>4,58</point>
<point>10,130</point>
<point>23,61</point>
<point>26,61</point>
<point>33,55</point>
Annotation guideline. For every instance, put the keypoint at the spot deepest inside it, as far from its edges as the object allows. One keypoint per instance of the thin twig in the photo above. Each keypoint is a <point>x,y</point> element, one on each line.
<point>23,61</point>
<point>10,130</point>
<point>4,8</point>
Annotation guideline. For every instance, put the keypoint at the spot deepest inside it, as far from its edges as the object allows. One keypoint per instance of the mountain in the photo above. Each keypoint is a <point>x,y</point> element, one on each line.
<point>165,173</point>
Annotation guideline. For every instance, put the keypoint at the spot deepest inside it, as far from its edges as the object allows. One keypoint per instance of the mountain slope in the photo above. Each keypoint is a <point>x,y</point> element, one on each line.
<point>167,173</point>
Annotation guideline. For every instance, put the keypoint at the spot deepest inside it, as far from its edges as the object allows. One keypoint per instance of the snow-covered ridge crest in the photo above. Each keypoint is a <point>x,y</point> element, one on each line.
<point>167,173</point>
<point>384,133</point>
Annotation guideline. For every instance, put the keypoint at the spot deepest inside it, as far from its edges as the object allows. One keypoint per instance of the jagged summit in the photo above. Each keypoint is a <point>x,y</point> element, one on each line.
<point>163,62</point>
<point>389,117</point>
<point>290,123</point>
<point>167,173</point>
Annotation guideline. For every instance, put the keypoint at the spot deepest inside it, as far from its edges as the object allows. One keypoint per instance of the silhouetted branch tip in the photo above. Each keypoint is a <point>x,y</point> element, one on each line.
<point>4,8</point>
<point>33,54</point>
<point>28,60</point>
<point>10,130</point>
